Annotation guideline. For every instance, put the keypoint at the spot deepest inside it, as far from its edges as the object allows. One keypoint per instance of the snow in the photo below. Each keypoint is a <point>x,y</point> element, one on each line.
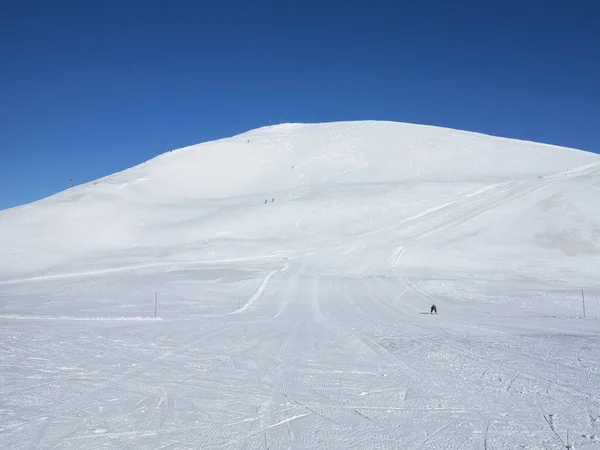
<point>304,322</point>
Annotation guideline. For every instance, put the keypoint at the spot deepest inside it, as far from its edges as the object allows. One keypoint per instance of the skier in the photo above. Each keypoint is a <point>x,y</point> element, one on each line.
<point>433,309</point>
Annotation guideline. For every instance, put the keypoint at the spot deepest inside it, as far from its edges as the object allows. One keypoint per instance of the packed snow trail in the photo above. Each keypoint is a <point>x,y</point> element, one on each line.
<point>315,362</point>
<point>304,323</point>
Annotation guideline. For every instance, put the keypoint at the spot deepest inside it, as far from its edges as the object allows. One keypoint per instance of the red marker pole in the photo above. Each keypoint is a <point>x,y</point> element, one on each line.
<point>155,303</point>
<point>583,301</point>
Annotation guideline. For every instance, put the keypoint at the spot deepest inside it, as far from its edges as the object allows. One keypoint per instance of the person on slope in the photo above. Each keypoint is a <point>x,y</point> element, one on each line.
<point>433,309</point>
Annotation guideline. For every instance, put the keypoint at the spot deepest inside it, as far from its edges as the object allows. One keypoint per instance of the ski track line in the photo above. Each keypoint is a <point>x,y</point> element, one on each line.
<point>487,188</point>
<point>81,274</point>
<point>423,214</point>
<point>259,292</point>
<point>284,379</point>
<point>61,276</point>
<point>270,427</point>
<point>577,171</point>
<point>478,209</point>
<point>434,211</point>
<point>397,259</point>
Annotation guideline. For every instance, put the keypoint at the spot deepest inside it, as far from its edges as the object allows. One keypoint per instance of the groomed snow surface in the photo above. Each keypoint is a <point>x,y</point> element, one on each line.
<point>304,323</point>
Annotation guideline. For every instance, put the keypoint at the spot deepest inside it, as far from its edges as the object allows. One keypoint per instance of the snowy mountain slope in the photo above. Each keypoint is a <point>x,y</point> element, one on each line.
<point>379,174</point>
<point>303,322</point>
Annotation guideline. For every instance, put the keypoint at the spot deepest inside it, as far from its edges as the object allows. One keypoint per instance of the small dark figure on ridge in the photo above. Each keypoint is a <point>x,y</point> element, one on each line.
<point>433,309</point>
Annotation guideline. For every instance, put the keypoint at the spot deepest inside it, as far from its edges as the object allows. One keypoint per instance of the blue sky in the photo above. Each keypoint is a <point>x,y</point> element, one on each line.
<point>88,88</point>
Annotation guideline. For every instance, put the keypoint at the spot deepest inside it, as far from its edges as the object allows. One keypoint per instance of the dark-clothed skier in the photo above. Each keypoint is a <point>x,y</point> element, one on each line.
<point>433,309</point>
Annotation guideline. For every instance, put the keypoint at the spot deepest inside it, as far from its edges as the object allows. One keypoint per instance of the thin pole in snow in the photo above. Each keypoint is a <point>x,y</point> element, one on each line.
<point>155,303</point>
<point>583,302</point>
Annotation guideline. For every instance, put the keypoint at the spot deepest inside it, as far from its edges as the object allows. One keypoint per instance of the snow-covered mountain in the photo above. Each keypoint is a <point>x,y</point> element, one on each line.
<point>341,185</point>
<point>299,320</point>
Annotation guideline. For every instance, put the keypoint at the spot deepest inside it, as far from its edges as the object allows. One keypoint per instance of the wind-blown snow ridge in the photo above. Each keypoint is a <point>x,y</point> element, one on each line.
<point>365,225</point>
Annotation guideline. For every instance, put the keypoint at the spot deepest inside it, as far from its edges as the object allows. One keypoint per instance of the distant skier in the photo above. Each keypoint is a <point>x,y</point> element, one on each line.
<point>433,309</point>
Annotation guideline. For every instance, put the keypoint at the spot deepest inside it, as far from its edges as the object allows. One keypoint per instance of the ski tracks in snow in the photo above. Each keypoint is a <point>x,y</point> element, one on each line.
<point>328,362</point>
<point>318,361</point>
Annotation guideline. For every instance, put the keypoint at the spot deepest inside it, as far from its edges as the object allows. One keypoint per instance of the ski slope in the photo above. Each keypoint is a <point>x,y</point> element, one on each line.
<point>304,322</point>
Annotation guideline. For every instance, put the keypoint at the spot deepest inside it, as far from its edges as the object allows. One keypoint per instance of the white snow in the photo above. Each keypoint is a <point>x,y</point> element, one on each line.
<point>304,323</point>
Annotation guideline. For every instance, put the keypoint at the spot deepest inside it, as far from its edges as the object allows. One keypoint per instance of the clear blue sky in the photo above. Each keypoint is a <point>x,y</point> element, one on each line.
<point>88,88</point>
